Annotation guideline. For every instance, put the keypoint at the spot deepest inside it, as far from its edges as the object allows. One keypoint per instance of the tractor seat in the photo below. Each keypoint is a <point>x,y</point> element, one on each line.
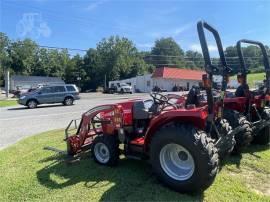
<point>140,111</point>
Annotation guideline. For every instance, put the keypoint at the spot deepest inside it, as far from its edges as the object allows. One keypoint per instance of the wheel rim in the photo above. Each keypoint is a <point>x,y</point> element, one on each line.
<point>68,101</point>
<point>101,152</point>
<point>32,104</point>
<point>177,162</point>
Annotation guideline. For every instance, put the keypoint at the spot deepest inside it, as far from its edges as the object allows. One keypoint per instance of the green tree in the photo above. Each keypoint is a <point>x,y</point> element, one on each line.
<point>166,52</point>
<point>194,60</point>
<point>252,55</point>
<point>23,56</point>
<point>145,55</point>
<point>268,50</point>
<point>42,67</point>
<point>73,70</point>
<point>51,63</point>
<point>232,58</point>
<point>58,61</point>
<point>117,58</point>
<point>92,67</point>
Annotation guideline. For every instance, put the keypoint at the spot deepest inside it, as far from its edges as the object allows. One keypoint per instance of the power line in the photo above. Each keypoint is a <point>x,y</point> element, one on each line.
<point>179,56</point>
<point>148,58</point>
<point>61,48</point>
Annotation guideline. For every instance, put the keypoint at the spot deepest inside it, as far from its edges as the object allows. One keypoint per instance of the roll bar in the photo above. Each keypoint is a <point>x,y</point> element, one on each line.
<point>209,67</point>
<point>243,65</point>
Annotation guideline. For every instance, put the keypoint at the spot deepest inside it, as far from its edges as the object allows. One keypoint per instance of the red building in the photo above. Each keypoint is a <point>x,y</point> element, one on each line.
<point>167,77</point>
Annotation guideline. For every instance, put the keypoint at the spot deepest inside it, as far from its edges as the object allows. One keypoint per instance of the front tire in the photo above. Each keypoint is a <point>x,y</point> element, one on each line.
<point>68,101</point>
<point>229,142</point>
<point>31,104</point>
<point>183,158</point>
<point>244,138</point>
<point>105,150</point>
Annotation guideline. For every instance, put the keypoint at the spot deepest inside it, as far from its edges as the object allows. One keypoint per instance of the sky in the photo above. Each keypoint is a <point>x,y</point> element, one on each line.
<point>82,24</point>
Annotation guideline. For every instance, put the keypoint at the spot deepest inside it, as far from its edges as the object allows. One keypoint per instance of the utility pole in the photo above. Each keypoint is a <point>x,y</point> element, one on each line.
<point>7,82</point>
<point>79,82</point>
<point>105,82</point>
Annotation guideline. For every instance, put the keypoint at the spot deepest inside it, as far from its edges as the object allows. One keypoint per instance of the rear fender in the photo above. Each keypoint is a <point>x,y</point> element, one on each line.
<point>195,118</point>
<point>236,103</point>
<point>259,101</point>
<point>69,95</point>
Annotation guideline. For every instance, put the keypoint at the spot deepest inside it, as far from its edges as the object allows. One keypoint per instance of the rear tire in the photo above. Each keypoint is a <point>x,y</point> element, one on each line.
<point>244,138</point>
<point>263,138</point>
<point>198,153</point>
<point>105,150</point>
<point>68,101</point>
<point>31,104</point>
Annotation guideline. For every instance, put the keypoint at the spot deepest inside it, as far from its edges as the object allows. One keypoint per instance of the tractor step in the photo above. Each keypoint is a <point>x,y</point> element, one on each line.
<point>138,141</point>
<point>134,150</point>
<point>134,157</point>
<point>136,145</point>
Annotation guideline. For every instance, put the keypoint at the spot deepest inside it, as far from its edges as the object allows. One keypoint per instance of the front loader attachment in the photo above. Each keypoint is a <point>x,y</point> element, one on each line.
<point>80,133</point>
<point>105,119</point>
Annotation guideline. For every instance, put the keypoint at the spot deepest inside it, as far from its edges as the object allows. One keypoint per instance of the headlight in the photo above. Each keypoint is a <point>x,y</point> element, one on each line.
<point>22,97</point>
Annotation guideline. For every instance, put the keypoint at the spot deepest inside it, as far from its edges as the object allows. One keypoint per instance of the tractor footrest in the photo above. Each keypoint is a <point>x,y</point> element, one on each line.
<point>135,147</point>
<point>138,141</point>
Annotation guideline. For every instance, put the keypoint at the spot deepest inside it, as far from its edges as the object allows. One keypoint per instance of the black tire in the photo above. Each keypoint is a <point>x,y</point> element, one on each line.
<point>31,104</point>
<point>111,144</point>
<point>68,101</point>
<point>200,147</point>
<point>244,138</point>
<point>122,91</point>
<point>69,149</point>
<point>224,129</point>
<point>266,114</point>
<point>263,137</point>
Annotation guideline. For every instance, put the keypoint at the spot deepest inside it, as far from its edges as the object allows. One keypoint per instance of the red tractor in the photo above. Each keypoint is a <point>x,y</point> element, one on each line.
<point>248,108</point>
<point>245,109</point>
<point>234,107</point>
<point>182,142</point>
<point>256,104</point>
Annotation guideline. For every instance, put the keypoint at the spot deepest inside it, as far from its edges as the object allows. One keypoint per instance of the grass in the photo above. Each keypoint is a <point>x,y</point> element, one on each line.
<point>252,78</point>
<point>7,103</point>
<point>28,173</point>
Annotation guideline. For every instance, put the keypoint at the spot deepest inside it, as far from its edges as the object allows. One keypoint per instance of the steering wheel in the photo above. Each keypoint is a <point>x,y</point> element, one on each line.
<point>159,98</point>
<point>162,100</point>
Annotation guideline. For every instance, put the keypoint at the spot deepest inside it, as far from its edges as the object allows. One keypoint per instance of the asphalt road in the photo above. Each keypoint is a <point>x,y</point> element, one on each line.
<point>19,122</point>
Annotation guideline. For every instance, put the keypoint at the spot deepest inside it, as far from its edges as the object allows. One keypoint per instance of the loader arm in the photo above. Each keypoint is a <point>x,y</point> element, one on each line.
<point>110,120</point>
